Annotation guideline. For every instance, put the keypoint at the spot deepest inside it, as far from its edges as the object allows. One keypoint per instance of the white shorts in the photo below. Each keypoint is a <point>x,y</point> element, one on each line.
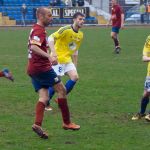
<point>61,69</point>
<point>147,84</point>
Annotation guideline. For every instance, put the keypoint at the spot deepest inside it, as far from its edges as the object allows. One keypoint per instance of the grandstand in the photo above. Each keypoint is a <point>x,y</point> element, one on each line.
<point>10,12</point>
<point>11,9</point>
<point>96,11</point>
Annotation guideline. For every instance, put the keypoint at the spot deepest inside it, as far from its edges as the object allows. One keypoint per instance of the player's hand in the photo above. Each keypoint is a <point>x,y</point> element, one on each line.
<point>122,26</point>
<point>54,59</point>
<point>53,54</point>
<point>107,25</point>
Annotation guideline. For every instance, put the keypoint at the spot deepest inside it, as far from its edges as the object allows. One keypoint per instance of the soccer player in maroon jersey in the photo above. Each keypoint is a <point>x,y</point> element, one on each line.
<point>117,19</point>
<point>42,75</point>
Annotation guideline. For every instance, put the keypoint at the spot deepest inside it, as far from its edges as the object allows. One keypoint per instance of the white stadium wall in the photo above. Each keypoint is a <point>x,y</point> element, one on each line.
<point>102,4</point>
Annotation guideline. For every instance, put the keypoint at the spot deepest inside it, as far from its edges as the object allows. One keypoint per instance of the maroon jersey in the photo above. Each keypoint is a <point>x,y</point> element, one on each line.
<point>37,63</point>
<point>116,15</point>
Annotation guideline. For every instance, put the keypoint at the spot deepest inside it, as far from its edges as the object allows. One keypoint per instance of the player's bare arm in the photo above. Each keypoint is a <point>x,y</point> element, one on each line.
<point>146,58</point>
<point>122,21</point>
<point>109,22</point>
<point>38,51</point>
<point>51,45</point>
<point>53,51</point>
<point>75,58</point>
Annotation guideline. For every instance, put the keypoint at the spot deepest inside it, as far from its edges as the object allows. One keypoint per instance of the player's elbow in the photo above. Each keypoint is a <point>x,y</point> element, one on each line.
<point>33,47</point>
<point>50,39</point>
<point>144,59</point>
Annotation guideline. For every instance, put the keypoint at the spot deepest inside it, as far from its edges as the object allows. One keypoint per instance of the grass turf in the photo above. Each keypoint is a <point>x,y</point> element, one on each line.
<point>102,102</point>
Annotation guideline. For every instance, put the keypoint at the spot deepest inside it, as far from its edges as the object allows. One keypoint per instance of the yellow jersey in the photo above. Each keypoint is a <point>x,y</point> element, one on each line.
<point>146,52</point>
<point>67,41</point>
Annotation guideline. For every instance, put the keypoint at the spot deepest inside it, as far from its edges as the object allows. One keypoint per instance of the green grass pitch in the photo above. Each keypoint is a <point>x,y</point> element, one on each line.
<point>103,101</point>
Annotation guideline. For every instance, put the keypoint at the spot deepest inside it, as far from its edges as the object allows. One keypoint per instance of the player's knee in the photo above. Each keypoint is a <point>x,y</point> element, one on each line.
<point>75,77</point>
<point>146,94</point>
<point>62,93</point>
<point>113,36</point>
<point>44,99</point>
<point>61,90</point>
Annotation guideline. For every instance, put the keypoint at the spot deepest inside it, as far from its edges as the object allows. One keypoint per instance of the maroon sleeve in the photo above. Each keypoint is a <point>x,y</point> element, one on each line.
<point>37,37</point>
<point>119,11</point>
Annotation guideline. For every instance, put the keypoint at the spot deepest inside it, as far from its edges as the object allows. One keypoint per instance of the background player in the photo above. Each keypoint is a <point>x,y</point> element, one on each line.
<point>117,19</point>
<point>42,75</point>
<point>146,94</point>
<point>65,43</point>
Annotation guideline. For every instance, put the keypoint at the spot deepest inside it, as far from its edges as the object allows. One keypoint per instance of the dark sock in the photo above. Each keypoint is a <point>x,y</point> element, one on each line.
<point>51,94</point>
<point>69,85</point>
<point>62,103</point>
<point>116,42</point>
<point>39,113</point>
<point>1,74</point>
<point>144,102</point>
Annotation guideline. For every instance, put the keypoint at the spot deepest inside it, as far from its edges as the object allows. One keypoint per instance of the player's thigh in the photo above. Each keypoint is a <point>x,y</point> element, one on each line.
<point>146,93</point>
<point>113,34</point>
<point>43,95</point>
<point>71,71</point>
<point>115,31</point>
<point>60,89</point>
<point>147,87</point>
<point>73,75</point>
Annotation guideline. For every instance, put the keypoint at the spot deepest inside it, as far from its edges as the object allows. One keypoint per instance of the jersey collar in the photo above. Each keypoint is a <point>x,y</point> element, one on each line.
<point>73,29</point>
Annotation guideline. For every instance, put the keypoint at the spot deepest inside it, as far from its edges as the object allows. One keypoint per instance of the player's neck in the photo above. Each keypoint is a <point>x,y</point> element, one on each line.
<point>40,23</point>
<point>115,4</point>
<point>75,28</point>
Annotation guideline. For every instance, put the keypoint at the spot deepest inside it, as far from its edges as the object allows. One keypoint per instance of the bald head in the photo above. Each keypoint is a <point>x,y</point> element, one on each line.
<point>41,11</point>
<point>114,1</point>
<point>44,15</point>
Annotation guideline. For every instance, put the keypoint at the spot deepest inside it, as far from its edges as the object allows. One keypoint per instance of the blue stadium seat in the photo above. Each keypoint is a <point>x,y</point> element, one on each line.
<point>12,8</point>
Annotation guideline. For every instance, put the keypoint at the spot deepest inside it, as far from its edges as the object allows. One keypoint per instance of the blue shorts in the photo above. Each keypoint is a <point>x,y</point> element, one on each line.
<point>45,80</point>
<point>115,29</point>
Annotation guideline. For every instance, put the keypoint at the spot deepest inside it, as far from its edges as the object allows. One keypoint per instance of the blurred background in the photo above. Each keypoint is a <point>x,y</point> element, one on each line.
<point>97,12</point>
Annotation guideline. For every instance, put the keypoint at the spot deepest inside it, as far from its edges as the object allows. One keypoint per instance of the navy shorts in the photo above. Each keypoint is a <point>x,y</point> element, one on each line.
<point>115,29</point>
<point>45,80</point>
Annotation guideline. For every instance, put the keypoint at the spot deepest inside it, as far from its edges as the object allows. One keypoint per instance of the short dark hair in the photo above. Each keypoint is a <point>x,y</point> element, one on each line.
<point>77,14</point>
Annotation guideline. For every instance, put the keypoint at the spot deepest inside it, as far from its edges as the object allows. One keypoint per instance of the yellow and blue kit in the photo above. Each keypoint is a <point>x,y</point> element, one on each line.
<point>67,41</point>
<point>146,52</point>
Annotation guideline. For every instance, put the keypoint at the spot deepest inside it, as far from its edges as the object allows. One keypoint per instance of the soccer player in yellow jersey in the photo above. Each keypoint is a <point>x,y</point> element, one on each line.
<point>64,44</point>
<point>146,94</point>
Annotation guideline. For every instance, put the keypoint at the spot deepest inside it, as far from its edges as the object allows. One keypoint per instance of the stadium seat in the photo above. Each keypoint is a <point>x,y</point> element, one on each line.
<point>12,9</point>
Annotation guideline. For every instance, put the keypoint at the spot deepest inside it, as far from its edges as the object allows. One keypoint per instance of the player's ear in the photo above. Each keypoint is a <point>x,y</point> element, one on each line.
<point>41,16</point>
<point>74,19</point>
